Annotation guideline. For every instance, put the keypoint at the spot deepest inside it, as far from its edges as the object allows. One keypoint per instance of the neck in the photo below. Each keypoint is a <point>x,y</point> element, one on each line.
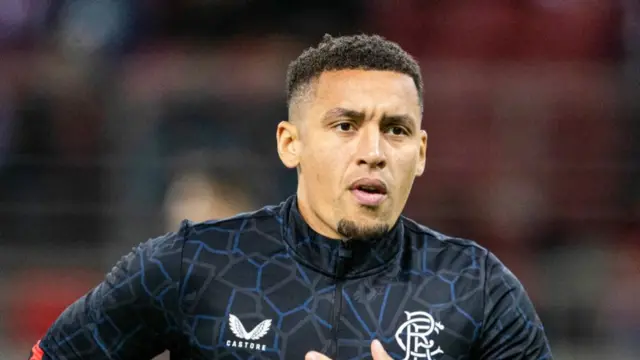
<point>313,219</point>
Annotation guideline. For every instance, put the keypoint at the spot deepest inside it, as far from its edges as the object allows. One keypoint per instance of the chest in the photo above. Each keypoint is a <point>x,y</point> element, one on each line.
<point>278,309</point>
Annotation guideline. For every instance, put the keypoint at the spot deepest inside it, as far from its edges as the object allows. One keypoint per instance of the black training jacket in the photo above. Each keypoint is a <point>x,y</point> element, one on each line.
<point>264,285</point>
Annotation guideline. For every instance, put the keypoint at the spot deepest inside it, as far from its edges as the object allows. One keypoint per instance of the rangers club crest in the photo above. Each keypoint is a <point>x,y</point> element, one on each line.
<point>415,336</point>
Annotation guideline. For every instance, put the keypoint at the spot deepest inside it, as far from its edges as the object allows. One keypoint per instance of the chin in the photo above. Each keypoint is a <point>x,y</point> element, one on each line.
<point>361,229</point>
<point>366,216</point>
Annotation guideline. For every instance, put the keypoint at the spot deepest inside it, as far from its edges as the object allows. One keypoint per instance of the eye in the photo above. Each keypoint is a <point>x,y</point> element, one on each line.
<point>344,127</point>
<point>397,130</point>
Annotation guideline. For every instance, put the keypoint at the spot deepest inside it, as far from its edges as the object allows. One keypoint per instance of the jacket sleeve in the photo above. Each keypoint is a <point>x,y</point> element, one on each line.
<point>128,315</point>
<point>511,327</point>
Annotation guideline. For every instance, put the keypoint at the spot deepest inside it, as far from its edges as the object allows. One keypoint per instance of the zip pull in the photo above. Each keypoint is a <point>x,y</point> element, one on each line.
<point>344,251</point>
<point>344,255</point>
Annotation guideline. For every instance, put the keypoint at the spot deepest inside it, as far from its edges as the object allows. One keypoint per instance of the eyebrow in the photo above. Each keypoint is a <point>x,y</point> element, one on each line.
<point>339,112</point>
<point>342,113</point>
<point>402,119</point>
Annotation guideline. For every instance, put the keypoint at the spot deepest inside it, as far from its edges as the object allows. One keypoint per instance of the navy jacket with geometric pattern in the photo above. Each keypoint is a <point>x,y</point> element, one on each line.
<point>264,285</point>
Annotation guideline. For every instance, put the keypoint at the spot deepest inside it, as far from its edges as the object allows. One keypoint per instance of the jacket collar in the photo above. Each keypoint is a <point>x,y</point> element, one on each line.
<point>337,258</point>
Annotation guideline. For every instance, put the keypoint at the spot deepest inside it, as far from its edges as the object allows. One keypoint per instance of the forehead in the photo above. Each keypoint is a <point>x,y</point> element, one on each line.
<point>367,90</point>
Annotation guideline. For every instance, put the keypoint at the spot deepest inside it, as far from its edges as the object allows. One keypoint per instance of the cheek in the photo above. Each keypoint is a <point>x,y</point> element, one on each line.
<point>321,167</point>
<point>406,168</point>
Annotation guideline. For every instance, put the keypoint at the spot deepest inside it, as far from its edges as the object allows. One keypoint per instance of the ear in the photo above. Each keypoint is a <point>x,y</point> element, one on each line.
<point>422,156</point>
<point>288,138</point>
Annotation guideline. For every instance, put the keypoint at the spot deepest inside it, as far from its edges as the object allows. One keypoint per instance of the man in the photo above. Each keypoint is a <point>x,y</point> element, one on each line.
<point>334,271</point>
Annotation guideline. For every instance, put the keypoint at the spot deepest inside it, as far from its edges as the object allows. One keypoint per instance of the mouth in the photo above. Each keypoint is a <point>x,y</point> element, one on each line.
<point>369,192</point>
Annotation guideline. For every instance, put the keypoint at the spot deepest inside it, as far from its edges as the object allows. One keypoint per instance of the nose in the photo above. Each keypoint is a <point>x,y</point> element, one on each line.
<point>370,151</point>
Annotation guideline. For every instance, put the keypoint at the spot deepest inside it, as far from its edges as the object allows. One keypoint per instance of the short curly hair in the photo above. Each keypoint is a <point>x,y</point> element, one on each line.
<point>367,52</point>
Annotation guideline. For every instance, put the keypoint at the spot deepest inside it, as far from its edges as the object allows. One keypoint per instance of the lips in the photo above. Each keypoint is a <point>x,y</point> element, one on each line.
<point>369,192</point>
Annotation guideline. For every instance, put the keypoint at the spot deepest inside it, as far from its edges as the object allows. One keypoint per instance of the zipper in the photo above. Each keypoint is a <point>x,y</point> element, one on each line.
<point>344,254</point>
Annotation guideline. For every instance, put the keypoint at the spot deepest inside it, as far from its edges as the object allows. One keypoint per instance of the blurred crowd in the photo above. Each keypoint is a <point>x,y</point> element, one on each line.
<point>120,118</point>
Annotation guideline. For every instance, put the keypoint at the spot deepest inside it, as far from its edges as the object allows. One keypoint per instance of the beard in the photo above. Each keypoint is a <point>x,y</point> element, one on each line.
<point>352,231</point>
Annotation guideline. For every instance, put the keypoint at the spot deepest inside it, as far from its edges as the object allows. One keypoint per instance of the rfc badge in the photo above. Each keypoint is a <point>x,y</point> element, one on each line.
<point>415,336</point>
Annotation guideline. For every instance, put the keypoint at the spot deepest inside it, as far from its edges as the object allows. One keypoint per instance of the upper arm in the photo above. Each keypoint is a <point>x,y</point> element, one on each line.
<point>127,315</point>
<point>511,327</point>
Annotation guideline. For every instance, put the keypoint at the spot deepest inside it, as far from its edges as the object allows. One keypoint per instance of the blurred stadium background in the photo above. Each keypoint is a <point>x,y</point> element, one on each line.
<point>119,118</point>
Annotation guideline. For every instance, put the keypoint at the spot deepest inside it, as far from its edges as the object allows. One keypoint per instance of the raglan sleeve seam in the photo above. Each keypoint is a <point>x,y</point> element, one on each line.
<point>485,282</point>
<point>184,233</point>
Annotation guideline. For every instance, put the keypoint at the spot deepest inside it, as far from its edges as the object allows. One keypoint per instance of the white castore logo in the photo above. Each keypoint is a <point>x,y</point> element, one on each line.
<point>414,336</point>
<point>239,331</point>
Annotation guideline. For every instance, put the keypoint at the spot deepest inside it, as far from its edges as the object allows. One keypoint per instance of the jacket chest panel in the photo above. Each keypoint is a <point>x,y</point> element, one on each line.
<point>415,316</point>
<point>279,309</point>
<point>275,310</point>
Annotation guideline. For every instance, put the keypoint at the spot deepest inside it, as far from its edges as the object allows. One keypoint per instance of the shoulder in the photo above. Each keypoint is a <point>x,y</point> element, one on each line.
<point>457,249</point>
<point>224,234</point>
<point>263,216</point>
<point>450,253</point>
<point>454,253</point>
<point>442,253</point>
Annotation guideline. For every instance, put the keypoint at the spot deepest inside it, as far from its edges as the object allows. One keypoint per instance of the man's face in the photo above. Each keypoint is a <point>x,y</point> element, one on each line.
<point>358,146</point>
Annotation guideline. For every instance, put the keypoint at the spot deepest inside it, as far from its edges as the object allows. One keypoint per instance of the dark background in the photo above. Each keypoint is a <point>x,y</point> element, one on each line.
<point>120,118</point>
